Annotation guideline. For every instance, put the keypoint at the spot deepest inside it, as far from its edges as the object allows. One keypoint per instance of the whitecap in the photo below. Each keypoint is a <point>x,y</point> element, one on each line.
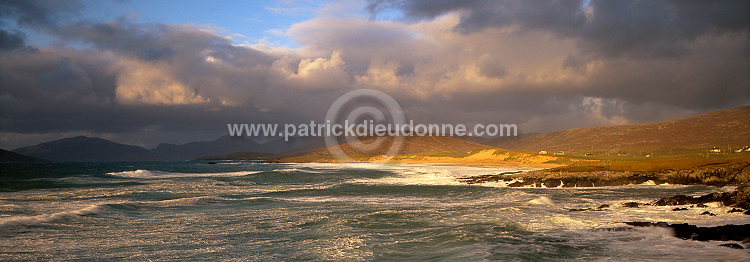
<point>46,218</point>
<point>140,173</point>
<point>542,200</point>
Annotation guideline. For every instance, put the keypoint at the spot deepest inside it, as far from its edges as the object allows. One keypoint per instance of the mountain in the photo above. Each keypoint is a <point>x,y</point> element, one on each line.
<point>83,148</point>
<point>724,130</point>
<point>7,156</point>
<point>229,144</point>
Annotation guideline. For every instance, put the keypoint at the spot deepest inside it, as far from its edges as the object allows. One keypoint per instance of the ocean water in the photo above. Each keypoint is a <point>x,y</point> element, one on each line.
<point>247,211</point>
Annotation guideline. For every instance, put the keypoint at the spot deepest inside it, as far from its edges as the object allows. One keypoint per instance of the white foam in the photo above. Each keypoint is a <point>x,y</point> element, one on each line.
<point>416,174</point>
<point>46,218</point>
<point>289,170</point>
<point>140,173</point>
<point>542,200</point>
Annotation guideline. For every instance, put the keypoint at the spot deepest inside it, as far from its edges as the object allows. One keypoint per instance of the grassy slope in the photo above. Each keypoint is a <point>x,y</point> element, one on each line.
<point>722,129</point>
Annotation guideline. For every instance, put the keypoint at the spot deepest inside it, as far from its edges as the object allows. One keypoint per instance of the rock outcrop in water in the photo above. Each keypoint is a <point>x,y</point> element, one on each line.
<point>739,199</point>
<point>692,232</point>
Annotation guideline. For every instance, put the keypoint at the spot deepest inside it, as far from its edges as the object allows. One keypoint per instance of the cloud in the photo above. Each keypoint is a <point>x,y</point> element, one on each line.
<point>146,83</point>
<point>637,29</point>
<point>38,13</point>
<point>544,65</point>
<point>313,73</point>
<point>14,41</point>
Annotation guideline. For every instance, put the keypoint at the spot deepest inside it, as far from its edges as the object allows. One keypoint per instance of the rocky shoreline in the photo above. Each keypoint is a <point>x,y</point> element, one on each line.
<point>730,174</point>
<point>691,232</point>
<point>713,175</point>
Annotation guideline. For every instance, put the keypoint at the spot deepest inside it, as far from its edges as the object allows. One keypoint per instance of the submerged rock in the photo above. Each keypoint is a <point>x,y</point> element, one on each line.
<point>614,229</point>
<point>679,209</point>
<point>708,213</point>
<point>600,208</point>
<point>692,232</point>
<point>631,204</point>
<point>732,245</point>
<point>739,198</point>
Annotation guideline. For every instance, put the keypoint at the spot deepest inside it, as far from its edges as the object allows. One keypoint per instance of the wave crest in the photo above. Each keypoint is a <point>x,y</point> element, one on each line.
<point>140,173</point>
<point>46,218</point>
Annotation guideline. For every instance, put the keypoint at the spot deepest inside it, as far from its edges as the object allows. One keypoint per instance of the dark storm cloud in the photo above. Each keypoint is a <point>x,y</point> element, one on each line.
<point>561,16</point>
<point>153,42</point>
<point>13,41</point>
<point>640,29</point>
<point>38,13</point>
<point>154,78</point>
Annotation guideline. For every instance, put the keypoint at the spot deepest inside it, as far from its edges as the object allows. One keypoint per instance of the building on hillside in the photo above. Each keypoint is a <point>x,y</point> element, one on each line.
<point>543,152</point>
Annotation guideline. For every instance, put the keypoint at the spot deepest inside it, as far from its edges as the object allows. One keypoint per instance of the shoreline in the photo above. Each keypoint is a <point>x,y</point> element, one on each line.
<point>730,174</point>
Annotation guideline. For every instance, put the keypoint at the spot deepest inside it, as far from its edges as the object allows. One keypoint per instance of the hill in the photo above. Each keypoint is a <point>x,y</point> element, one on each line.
<point>726,129</point>
<point>83,148</point>
<point>411,145</point>
<point>229,144</point>
<point>7,156</point>
<point>435,150</point>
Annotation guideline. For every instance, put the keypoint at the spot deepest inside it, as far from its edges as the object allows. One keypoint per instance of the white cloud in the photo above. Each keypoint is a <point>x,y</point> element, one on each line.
<point>147,83</point>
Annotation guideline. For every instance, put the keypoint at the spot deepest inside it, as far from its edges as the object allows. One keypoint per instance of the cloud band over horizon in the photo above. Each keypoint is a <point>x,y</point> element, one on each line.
<point>544,65</point>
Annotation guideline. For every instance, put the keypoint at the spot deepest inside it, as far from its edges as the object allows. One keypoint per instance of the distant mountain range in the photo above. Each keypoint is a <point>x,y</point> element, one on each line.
<point>229,144</point>
<point>7,156</point>
<point>724,130</point>
<point>721,129</point>
<point>83,148</point>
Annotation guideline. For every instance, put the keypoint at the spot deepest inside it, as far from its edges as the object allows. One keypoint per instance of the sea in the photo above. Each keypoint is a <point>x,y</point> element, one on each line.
<point>252,211</point>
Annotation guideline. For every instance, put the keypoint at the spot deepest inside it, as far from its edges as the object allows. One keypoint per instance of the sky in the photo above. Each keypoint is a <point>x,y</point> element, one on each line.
<point>147,72</point>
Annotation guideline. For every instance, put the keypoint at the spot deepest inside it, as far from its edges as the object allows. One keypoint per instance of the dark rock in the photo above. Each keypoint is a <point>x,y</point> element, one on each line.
<point>679,209</point>
<point>488,178</point>
<point>723,197</point>
<point>675,200</point>
<point>687,231</point>
<point>708,213</point>
<point>614,229</point>
<point>578,209</point>
<point>631,204</point>
<point>734,210</point>
<point>603,206</point>
<point>732,245</point>
<point>701,205</point>
<point>516,184</point>
<point>648,224</point>
<point>211,163</point>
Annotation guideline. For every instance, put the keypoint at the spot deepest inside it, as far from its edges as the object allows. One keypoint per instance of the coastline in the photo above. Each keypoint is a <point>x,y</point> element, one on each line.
<point>728,174</point>
<point>549,175</point>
